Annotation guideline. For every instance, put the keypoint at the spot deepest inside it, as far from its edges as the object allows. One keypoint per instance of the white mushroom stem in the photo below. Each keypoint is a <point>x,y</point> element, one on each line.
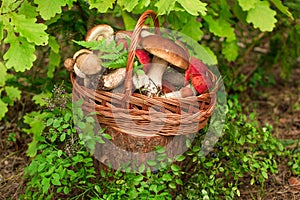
<point>140,80</point>
<point>186,91</point>
<point>155,74</point>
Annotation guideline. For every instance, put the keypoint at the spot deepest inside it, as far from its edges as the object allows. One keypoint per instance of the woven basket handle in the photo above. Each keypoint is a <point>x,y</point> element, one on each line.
<point>133,45</point>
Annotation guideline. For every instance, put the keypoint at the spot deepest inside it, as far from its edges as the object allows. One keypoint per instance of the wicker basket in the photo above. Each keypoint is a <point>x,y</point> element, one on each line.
<point>138,123</point>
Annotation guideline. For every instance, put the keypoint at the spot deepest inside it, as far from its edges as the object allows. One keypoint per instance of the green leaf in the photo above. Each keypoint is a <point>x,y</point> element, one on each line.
<point>3,109</point>
<point>20,54</point>
<point>179,181</point>
<point>1,30</point>
<point>205,54</point>
<point>164,7</point>
<point>9,6</point>
<point>192,28</point>
<point>172,185</point>
<point>62,137</point>
<point>179,158</point>
<point>55,179</point>
<point>54,61</point>
<point>261,11</point>
<point>193,6</point>
<point>138,179</point>
<point>247,4</point>
<point>175,168</point>
<point>46,184</point>
<point>66,190</point>
<point>230,50</point>
<point>28,10</point>
<point>142,168</point>
<point>129,22</point>
<point>101,5</point>
<point>3,74</point>
<point>160,149</point>
<point>48,9</point>
<point>282,8</point>
<point>151,162</point>
<point>107,136</point>
<point>33,32</point>
<point>40,99</point>
<point>264,174</point>
<point>167,177</point>
<point>53,44</point>
<point>59,153</point>
<point>13,93</point>
<point>220,27</point>
<point>128,5</point>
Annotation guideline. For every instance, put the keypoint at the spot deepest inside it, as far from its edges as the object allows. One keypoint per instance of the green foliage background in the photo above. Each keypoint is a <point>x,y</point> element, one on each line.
<point>37,36</point>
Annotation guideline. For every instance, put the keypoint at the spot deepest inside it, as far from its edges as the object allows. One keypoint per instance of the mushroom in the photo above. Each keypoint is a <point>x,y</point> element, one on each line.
<point>197,75</point>
<point>174,77</point>
<point>143,58</point>
<point>87,65</point>
<point>186,91</point>
<point>100,31</point>
<point>69,64</point>
<point>123,37</point>
<point>164,51</point>
<point>116,78</point>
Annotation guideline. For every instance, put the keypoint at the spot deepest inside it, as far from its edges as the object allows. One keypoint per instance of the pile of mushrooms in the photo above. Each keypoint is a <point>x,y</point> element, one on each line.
<point>169,71</point>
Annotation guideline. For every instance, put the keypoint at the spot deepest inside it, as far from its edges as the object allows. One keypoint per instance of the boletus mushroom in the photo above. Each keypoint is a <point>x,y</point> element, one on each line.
<point>164,52</point>
<point>100,31</point>
<point>87,66</point>
<point>196,78</point>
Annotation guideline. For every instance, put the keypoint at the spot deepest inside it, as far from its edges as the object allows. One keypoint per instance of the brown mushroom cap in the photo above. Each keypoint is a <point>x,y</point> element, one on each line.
<point>87,62</point>
<point>98,32</point>
<point>167,50</point>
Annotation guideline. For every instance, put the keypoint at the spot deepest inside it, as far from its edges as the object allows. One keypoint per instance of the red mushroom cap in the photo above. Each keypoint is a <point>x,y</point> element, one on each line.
<point>143,58</point>
<point>197,73</point>
<point>201,83</point>
<point>196,67</point>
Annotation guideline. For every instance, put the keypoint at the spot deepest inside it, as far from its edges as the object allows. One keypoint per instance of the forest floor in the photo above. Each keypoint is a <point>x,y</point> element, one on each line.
<point>277,105</point>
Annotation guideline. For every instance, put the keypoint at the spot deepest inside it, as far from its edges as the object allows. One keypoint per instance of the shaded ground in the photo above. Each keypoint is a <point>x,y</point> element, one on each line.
<point>278,105</point>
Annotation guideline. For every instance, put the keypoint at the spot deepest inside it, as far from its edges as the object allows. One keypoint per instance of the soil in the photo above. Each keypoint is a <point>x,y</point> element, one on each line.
<point>277,105</point>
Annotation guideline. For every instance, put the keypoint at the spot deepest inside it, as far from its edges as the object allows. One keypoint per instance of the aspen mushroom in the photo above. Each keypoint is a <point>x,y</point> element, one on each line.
<point>143,58</point>
<point>100,31</point>
<point>164,52</point>
<point>197,80</point>
<point>87,65</point>
<point>197,74</point>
